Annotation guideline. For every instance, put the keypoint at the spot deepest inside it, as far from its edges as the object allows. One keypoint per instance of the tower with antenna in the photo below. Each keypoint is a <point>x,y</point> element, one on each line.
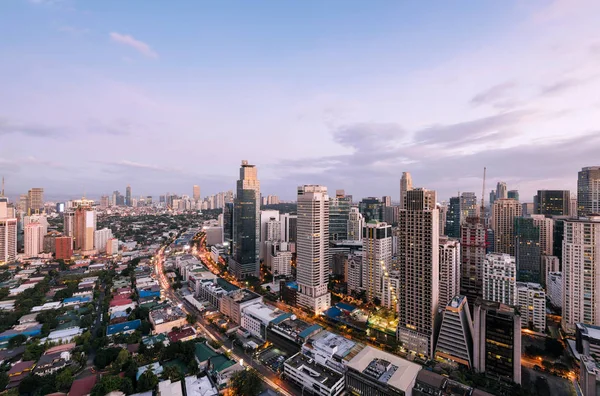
<point>482,214</point>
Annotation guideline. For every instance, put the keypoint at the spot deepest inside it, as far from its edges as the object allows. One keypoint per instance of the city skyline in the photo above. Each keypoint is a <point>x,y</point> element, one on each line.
<point>167,92</point>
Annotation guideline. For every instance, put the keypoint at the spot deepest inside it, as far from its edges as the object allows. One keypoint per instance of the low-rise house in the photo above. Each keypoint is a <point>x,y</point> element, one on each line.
<point>156,368</point>
<point>46,307</point>
<point>165,319</point>
<point>222,369</point>
<point>83,386</point>
<point>199,386</point>
<point>184,334</point>
<point>50,363</point>
<point>125,327</point>
<point>65,335</point>
<point>19,371</point>
<point>168,388</point>
<point>11,354</point>
<point>74,301</point>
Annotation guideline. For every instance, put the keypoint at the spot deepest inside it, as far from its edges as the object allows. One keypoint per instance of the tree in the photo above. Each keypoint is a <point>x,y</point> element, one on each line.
<point>4,293</point>
<point>553,347</point>
<point>64,379</point>
<point>3,380</point>
<point>246,382</point>
<point>17,340</point>
<point>33,351</point>
<point>147,381</point>
<point>172,373</point>
<point>192,318</point>
<point>107,384</point>
<point>126,386</point>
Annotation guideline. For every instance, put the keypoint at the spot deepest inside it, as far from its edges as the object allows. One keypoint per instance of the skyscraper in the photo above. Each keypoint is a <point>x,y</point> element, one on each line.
<point>500,278</point>
<point>33,239</point>
<point>469,206</point>
<point>339,211</point>
<point>501,191</point>
<point>196,193</point>
<point>246,224</point>
<point>84,226</point>
<point>453,218</point>
<point>449,269</point>
<point>405,185</point>
<point>377,257</point>
<point>552,202</point>
<point>493,198</point>
<point>35,200</point>
<point>546,226</point>
<point>386,200</point>
<point>104,202</point>
<point>8,234</point>
<point>513,194</point>
<point>128,201</point>
<point>228,226</point>
<point>473,237</point>
<point>528,253</point>
<point>371,208</point>
<point>504,212</point>
<point>588,191</point>
<point>313,248</point>
<point>455,341</point>
<point>418,262</point>
<point>581,272</point>
<point>355,224</point>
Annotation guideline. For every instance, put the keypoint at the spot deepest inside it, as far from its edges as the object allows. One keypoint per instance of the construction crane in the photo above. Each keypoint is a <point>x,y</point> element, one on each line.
<point>482,214</point>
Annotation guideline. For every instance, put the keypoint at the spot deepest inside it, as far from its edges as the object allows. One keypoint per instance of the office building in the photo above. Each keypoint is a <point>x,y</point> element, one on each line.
<point>391,214</point>
<point>443,209</point>
<point>246,224</point>
<point>418,263</point>
<point>453,218</point>
<point>504,212</point>
<point>455,340</point>
<point>573,211</point>
<point>313,377</point>
<point>371,208</point>
<point>228,226</point>
<point>35,200</point>
<point>528,254</point>
<point>588,191</point>
<point>288,227</point>
<point>8,239</point>
<point>377,258</point>
<point>101,238</point>
<point>527,209</point>
<point>280,259</point>
<point>312,250</point>
<point>64,248</point>
<point>500,278</point>
<point>493,197</point>
<point>265,217</point>
<point>339,213</point>
<point>405,185</point>
<point>468,206</point>
<point>501,191</point>
<point>449,269</point>
<point>552,202</point>
<point>546,231</point>
<point>355,224</point>
<point>497,340</point>
<point>84,226</point>
<point>196,193</point>
<point>531,299</point>
<point>34,239</point>
<point>581,272</point>
<point>473,242</point>
<point>273,228</point>
<point>128,201</point>
<point>513,194</point>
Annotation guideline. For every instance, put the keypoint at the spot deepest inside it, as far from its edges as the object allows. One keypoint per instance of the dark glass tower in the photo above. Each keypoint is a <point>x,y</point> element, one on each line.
<point>588,191</point>
<point>228,225</point>
<point>527,250</point>
<point>371,208</point>
<point>453,218</point>
<point>339,211</point>
<point>552,202</point>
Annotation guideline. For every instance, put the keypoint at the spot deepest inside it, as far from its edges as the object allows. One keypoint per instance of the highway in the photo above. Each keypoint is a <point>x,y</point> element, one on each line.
<point>268,377</point>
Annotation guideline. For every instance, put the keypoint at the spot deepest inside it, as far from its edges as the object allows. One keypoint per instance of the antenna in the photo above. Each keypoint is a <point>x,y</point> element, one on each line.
<point>2,192</point>
<point>482,214</point>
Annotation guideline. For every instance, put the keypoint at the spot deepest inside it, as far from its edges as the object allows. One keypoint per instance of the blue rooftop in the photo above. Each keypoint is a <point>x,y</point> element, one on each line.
<point>345,307</point>
<point>122,327</point>
<point>333,312</point>
<point>292,285</point>
<point>28,332</point>
<point>281,318</point>
<point>77,300</point>
<point>309,330</point>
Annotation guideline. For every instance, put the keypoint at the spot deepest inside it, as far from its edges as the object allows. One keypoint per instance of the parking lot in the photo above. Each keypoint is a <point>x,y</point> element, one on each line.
<point>272,358</point>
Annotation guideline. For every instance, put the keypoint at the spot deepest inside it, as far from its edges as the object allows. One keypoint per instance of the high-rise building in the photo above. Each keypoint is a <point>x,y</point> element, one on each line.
<point>246,224</point>
<point>377,257</point>
<point>453,218</point>
<point>312,268</point>
<point>573,207</point>
<point>546,226</point>
<point>391,214</point>
<point>552,202</point>
<point>468,206</point>
<point>8,235</point>
<point>371,208</point>
<point>527,209</point>
<point>228,226</point>
<point>196,193</point>
<point>339,211</point>
<point>34,239</point>
<point>84,226</point>
<point>272,200</point>
<point>355,224</point>
<point>532,305</point>
<point>265,217</point>
<point>504,212</point>
<point>500,278</point>
<point>493,197</point>
<point>104,202</point>
<point>549,264</point>
<point>386,200</point>
<point>418,263</point>
<point>443,209</point>
<point>280,259</point>
<point>581,272</point>
<point>128,201</point>
<point>501,191</point>
<point>273,230</point>
<point>405,185</point>
<point>455,340</point>
<point>528,254</point>
<point>101,237</point>
<point>64,248</point>
<point>354,279</point>
<point>449,269</point>
<point>497,340</point>
<point>288,227</point>
<point>473,242</point>
<point>588,191</point>
<point>513,194</point>
<point>35,200</point>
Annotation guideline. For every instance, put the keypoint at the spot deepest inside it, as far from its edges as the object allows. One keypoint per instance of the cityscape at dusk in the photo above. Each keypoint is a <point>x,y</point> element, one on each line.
<point>326,198</point>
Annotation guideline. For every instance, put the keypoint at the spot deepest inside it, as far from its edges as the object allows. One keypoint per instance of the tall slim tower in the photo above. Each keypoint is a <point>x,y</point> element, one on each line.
<point>501,190</point>
<point>453,216</point>
<point>473,237</point>
<point>355,224</point>
<point>33,235</point>
<point>196,193</point>
<point>339,211</point>
<point>377,257</point>
<point>8,233</point>
<point>588,191</point>
<point>405,185</point>
<point>84,225</point>
<point>128,201</point>
<point>312,248</point>
<point>469,207</point>
<point>449,269</point>
<point>504,212</point>
<point>500,278</point>
<point>418,263</point>
<point>35,200</point>
<point>246,224</point>
<point>528,253</point>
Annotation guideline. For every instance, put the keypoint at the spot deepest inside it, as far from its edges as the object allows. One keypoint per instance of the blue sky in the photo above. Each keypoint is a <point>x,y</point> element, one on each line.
<point>163,95</point>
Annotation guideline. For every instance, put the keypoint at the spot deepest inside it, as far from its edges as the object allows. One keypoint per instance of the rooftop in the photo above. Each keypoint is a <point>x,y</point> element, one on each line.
<point>167,314</point>
<point>263,312</point>
<point>83,386</point>
<point>203,352</point>
<point>202,386</point>
<point>321,374</point>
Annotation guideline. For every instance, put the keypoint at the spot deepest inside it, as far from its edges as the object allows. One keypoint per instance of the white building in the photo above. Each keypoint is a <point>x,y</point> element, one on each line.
<point>199,386</point>
<point>391,288</point>
<point>449,269</point>
<point>8,238</point>
<point>554,287</point>
<point>273,229</point>
<point>532,305</point>
<point>257,317</point>
<point>101,238</point>
<point>549,264</point>
<point>311,376</point>
<point>581,272</point>
<point>356,223</point>
<point>265,217</point>
<point>168,388</point>
<point>280,259</point>
<point>329,349</point>
<point>34,239</point>
<point>500,278</point>
<point>546,226</point>
<point>64,336</point>
<point>376,257</point>
<point>313,248</point>
<point>354,279</point>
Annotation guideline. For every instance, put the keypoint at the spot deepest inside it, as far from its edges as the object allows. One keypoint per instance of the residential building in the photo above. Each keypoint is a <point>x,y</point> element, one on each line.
<point>588,191</point>
<point>528,254</point>
<point>469,207</point>
<point>199,386</point>
<point>532,305</point>
<point>497,340</point>
<point>473,242</point>
<point>405,185</point>
<point>573,212</point>
<point>84,227</point>
<point>501,191</point>
<point>339,213</point>
<point>168,388</point>
<point>288,227</point>
<point>355,224</point>
<point>280,259</point>
<point>196,193</point>
<point>589,376</point>
<point>354,279</point>
<point>164,320</point>
<point>246,224</point>
<point>504,212</point>
<point>554,287</point>
<point>35,200</point>
<point>312,268</point>
<point>581,271</point>
<point>449,269</point>
<point>233,303</point>
<point>112,246</point>
<point>500,278</point>
<point>527,209</point>
<point>552,202</point>
<point>376,257</point>
<point>443,209</point>
<point>34,239</point>
<point>546,231</point>
<point>455,340</point>
<point>371,208</point>
<point>453,218</point>
<point>101,238</point>
<point>418,263</point>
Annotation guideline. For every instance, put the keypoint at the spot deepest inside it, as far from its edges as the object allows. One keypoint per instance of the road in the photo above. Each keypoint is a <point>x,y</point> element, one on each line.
<point>266,376</point>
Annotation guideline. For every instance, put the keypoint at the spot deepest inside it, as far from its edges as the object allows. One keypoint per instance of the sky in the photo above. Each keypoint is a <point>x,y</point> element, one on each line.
<point>95,95</point>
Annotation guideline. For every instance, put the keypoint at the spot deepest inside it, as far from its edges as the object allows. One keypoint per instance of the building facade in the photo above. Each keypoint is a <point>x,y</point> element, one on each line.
<point>473,241</point>
<point>355,224</point>
<point>339,212</point>
<point>504,212</point>
<point>588,191</point>
<point>405,185</point>
<point>532,305</point>
<point>455,340</point>
<point>449,269</point>
<point>377,257</point>
<point>528,253</point>
<point>500,278</point>
<point>552,202</point>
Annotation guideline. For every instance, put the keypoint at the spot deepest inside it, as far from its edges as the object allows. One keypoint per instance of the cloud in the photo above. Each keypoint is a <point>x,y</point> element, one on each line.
<point>8,127</point>
<point>72,30</point>
<point>493,95</point>
<point>130,41</point>
<point>560,86</point>
<point>119,127</point>
<point>140,166</point>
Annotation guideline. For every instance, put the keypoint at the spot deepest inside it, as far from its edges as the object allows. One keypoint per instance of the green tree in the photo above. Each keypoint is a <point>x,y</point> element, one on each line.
<point>126,386</point>
<point>4,293</point>
<point>64,379</point>
<point>246,382</point>
<point>192,318</point>
<point>107,384</point>
<point>172,372</point>
<point>17,340</point>
<point>122,358</point>
<point>3,380</point>
<point>147,381</point>
<point>33,351</point>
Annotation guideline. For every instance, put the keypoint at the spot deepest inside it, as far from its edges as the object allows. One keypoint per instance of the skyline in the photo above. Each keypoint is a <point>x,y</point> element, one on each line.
<point>300,92</point>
